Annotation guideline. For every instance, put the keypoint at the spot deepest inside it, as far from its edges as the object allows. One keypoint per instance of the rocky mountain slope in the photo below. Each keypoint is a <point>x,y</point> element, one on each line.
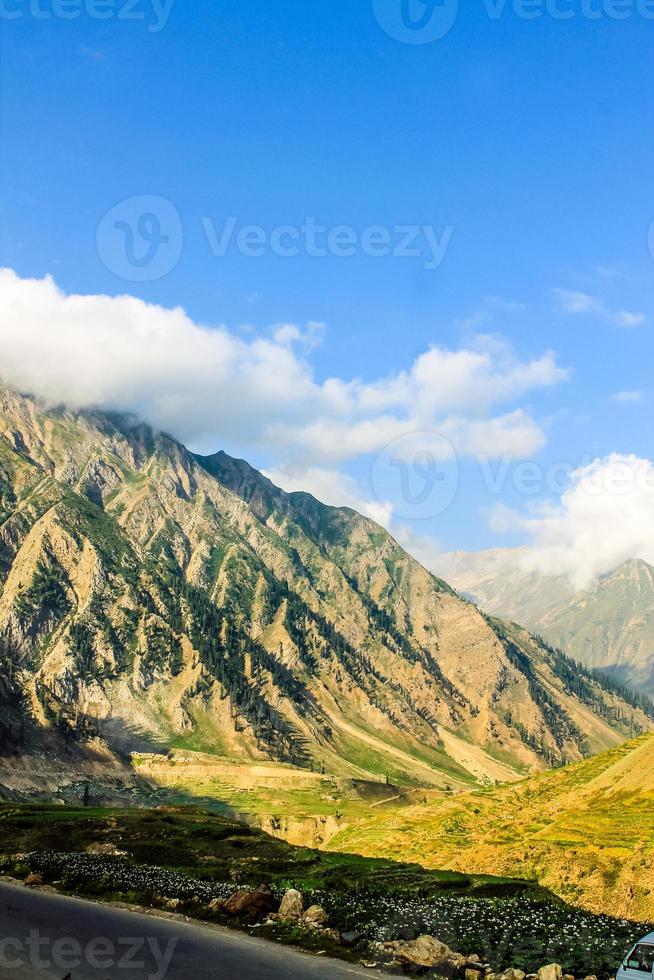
<point>608,626</point>
<point>153,599</point>
<point>499,583</point>
<point>585,831</point>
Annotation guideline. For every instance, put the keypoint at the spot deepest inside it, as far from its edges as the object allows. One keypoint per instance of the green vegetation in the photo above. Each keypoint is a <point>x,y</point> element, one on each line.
<point>585,831</point>
<point>46,598</point>
<point>191,856</point>
<point>191,603</point>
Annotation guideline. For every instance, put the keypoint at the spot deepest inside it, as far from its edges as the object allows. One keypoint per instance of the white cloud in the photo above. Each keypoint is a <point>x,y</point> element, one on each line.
<point>627,397</point>
<point>605,517</point>
<point>211,386</point>
<point>505,305</point>
<point>574,302</point>
<point>580,303</point>
<point>623,318</point>
<point>334,488</point>
<point>485,314</point>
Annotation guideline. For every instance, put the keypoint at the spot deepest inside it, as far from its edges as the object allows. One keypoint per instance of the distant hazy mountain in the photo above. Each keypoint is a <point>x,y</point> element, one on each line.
<point>609,625</point>
<point>151,598</point>
<point>497,582</point>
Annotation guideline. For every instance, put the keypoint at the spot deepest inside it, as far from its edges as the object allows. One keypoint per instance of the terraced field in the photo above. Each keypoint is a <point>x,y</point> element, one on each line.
<point>299,806</point>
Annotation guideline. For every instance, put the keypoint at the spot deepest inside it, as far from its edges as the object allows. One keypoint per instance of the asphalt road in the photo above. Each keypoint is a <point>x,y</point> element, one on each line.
<point>52,937</point>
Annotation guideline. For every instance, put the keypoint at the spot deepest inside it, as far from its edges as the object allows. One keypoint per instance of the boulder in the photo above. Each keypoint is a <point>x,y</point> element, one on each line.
<point>33,881</point>
<point>292,906</point>
<point>551,972</point>
<point>251,905</point>
<point>172,904</point>
<point>423,951</point>
<point>106,850</point>
<point>315,917</point>
<point>216,905</point>
<point>474,968</point>
<point>513,974</point>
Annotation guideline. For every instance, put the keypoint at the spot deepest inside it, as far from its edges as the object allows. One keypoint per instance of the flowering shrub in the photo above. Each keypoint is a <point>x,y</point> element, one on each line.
<point>520,931</point>
<point>99,875</point>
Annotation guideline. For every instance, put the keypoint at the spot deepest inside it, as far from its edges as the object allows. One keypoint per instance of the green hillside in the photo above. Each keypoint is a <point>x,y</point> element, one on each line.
<point>585,831</point>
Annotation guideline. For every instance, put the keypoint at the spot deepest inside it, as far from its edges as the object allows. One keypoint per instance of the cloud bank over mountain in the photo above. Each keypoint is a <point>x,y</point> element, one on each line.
<point>212,386</point>
<point>209,385</point>
<point>605,517</point>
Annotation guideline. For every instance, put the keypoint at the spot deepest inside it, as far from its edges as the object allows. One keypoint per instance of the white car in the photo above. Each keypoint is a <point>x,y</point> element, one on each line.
<point>640,962</point>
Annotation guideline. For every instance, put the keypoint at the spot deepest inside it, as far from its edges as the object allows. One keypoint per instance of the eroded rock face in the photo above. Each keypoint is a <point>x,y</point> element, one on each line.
<point>292,906</point>
<point>320,602</point>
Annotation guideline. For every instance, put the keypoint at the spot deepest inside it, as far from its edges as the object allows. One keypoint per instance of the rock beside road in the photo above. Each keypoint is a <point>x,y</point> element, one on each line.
<point>427,953</point>
<point>315,917</point>
<point>291,908</point>
<point>33,881</point>
<point>424,951</point>
<point>252,905</point>
<point>551,972</point>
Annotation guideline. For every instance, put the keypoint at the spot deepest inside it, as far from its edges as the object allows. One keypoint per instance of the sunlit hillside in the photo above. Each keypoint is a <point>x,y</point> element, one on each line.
<point>586,831</point>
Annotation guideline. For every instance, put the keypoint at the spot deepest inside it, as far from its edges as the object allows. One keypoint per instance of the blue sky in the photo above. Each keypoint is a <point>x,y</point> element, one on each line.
<point>530,140</point>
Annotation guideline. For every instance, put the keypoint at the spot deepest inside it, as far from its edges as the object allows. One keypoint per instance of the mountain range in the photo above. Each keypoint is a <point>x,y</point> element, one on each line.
<point>608,625</point>
<point>153,599</point>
